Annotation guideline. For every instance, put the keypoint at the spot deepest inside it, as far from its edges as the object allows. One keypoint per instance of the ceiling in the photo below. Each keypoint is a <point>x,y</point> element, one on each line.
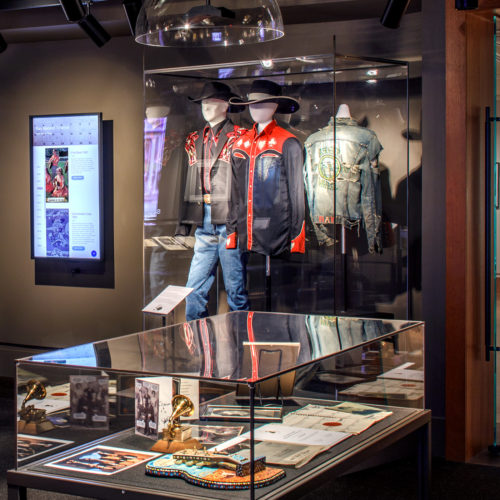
<point>44,20</point>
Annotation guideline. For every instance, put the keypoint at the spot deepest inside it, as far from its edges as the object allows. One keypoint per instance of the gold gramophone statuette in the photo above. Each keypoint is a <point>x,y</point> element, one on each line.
<point>175,436</point>
<point>33,420</point>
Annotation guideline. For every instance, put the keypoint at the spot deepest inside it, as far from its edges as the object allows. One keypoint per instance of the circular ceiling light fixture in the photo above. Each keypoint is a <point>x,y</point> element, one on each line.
<point>169,23</point>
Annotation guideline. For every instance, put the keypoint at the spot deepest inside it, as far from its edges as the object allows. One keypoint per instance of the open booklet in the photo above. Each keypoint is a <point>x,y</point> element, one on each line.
<point>284,445</point>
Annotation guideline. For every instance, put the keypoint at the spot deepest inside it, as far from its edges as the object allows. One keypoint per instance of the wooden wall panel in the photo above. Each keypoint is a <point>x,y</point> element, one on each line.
<point>469,89</point>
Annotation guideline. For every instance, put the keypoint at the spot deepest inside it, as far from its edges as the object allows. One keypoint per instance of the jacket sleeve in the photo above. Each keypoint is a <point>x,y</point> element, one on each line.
<point>294,164</point>
<point>371,196</point>
<point>183,229</point>
<point>232,214</point>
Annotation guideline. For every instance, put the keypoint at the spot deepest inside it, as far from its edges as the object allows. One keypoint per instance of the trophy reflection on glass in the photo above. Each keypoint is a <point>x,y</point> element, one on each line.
<point>175,436</point>
<point>33,420</point>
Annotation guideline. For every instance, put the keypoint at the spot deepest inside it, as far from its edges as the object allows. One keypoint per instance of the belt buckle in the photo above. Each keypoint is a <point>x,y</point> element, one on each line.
<point>206,199</point>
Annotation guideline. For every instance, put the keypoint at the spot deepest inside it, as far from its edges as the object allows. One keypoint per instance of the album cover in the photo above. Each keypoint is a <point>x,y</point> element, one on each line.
<point>103,460</point>
<point>148,393</point>
<point>32,446</point>
<point>89,401</point>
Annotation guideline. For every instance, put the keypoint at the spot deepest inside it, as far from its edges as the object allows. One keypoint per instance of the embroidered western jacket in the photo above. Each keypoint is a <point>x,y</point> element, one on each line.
<point>207,170</point>
<point>267,207</point>
<point>353,181</point>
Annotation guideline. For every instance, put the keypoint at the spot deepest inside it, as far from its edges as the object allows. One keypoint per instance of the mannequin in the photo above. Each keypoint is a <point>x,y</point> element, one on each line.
<point>267,212</point>
<point>343,111</point>
<point>262,113</point>
<point>205,204</point>
<point>343,185</point>
<point>214,110</point>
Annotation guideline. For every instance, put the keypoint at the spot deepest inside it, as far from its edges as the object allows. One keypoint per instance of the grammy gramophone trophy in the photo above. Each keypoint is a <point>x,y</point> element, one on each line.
<point>33,420</point>
<point>175,436</point>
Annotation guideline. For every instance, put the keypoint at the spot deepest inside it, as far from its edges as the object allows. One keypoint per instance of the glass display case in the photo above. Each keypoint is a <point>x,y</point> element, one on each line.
<point>355,251</point>
<point>244,404</point>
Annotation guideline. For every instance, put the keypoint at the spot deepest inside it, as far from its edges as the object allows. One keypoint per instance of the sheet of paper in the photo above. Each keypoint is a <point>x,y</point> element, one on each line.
<point>352,418</point>
<point>169,298</point>
<point>404,372</point>
<point>387,389</point>
<point>294,455</point>
<point>57,399</point>
<point>281,433</point>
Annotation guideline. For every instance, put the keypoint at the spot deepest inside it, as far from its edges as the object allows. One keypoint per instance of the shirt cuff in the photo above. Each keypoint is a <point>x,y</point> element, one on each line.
<point>299,243</point>
<point>232,240</point>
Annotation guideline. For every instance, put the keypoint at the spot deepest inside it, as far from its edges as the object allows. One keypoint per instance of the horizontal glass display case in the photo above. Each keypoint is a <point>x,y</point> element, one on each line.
<point>244,404</point>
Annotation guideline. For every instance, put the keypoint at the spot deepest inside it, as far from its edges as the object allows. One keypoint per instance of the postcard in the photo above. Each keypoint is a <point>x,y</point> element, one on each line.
<point>31,446</point>
<point>103,460</point>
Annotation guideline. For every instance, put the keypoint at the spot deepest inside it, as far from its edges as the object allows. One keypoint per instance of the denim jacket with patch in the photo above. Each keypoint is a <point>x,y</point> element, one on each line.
<point>352,172</point>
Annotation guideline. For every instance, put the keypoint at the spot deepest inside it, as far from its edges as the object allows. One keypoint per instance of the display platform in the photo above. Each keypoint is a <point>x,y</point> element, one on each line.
<point>263,390</point>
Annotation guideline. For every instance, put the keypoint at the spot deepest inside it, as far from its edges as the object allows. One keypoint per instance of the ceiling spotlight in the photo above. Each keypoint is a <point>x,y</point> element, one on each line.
<point>75,12</point>
<point>394,11</point>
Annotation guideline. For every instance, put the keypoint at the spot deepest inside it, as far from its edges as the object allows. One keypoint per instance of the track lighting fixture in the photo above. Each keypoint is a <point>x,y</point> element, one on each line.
<point>394,11</point>
<point>75,12</point>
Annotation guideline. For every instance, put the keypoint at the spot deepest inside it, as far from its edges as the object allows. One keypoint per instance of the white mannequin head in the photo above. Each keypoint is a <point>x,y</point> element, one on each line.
<point>262,113</point>
<point>214,110</point>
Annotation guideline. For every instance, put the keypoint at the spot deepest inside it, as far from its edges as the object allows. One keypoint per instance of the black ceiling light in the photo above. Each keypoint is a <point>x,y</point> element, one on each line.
<point>394,11</point>
<point>466,4</point>
<point>3,44</point>
<point>75,12</point>
<point>132,8</point>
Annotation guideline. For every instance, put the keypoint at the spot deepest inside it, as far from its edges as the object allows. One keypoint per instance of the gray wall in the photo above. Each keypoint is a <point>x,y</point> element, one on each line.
<point>67,77</point>
<point>75,76</point>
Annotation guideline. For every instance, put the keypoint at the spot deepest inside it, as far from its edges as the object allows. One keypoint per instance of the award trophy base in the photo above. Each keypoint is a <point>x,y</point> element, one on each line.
<point>181,441</point>
<point>34,428</point>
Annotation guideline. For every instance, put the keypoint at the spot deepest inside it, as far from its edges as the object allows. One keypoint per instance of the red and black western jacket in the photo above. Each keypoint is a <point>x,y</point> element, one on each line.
<point>266,211</point>
<point>218,177</point>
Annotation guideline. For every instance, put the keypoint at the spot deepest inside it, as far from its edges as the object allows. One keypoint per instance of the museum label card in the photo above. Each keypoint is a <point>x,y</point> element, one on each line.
<point>167,300</point>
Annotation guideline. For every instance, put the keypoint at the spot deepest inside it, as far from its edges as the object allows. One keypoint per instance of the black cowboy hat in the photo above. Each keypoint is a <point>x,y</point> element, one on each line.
<point>267,91</point>
<point>217,90</point>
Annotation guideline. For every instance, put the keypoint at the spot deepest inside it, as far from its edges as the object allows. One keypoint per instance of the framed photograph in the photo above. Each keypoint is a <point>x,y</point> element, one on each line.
<point>212,435</point>
<point>31,446</point>
<point>104,460</point>
<point>238,413</point>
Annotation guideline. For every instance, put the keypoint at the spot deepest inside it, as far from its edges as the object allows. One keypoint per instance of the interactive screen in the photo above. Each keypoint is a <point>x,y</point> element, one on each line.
<point>66,173</point>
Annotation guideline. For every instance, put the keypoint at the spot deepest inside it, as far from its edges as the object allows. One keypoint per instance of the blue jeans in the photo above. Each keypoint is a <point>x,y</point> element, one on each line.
<point>209,248</point>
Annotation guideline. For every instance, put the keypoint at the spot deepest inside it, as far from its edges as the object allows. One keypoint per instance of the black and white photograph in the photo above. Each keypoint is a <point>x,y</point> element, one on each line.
<point>89,401</point>
<point>146,408</point>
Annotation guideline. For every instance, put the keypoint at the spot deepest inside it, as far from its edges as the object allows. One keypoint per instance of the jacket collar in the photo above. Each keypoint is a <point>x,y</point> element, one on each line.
<point>267,131</point>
